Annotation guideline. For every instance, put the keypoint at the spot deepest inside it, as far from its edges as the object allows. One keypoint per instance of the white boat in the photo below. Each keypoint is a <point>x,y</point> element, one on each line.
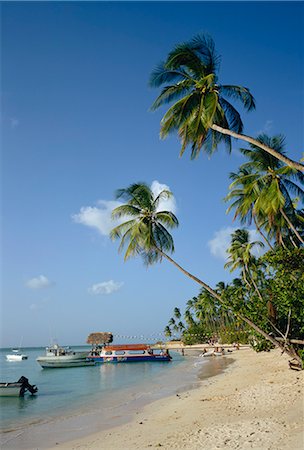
<point>17,388</point>
<point>16,356</point>
<point>60,357</point>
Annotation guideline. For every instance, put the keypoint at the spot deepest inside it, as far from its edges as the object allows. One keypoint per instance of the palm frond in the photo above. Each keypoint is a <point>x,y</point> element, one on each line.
<point>125,210</point>
<point>167,218</point>
<point>161,75</point>
<point>171,93</point>
<point>240,93</point>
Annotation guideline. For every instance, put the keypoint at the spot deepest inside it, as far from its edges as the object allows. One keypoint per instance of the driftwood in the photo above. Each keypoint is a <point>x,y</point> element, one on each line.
<point>100,338</point>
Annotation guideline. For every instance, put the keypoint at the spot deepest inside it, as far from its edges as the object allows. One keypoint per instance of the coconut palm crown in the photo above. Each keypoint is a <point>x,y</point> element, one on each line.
<point>145,231</point>
<point>264,189</point>
<point>190,80</point>
<point>201,113</point>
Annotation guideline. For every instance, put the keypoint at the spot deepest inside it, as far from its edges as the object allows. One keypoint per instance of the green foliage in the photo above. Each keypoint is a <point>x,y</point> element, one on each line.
<point>301,354</point>
<point>144,232</point>
<point>189,77</point>
<point>259,344</point>
<point>285,285</point>
<point>262,190</point>
<point>195,334</point>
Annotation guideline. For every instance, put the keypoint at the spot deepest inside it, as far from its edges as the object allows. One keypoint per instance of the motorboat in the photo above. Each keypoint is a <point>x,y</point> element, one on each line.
<point>16,355</point>
<point>17,388</point>
<point>127,353</point>
<point>62,357</point>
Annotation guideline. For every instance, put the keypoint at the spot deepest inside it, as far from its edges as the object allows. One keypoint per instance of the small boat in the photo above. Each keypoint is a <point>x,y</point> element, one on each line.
<point>127,353</point>
<point>60,357</point>
<point>16,356</point>
<point>17,388</point>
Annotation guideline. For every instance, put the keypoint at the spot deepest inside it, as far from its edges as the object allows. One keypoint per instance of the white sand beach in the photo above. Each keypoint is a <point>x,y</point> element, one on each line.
<point>257,403</point>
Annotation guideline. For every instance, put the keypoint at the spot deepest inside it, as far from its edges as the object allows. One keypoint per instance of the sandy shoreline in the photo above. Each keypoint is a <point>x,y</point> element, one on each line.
<point>256,403</point>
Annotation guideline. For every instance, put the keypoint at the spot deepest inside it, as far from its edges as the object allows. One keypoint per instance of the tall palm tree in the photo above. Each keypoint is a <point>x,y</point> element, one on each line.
<point>144,233</point>
<point>262,190</point>
<point>241,257</point>
<point>243,196</point>
<point>201,113</point>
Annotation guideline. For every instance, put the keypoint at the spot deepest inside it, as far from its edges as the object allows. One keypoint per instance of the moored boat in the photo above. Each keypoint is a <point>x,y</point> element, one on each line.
<point>16,356</point>
<point>127,353</point>
<point>59,357</point>
<point>17,388</point>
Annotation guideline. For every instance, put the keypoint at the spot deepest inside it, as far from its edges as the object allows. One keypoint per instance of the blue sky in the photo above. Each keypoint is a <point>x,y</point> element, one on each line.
<point>77,126</point>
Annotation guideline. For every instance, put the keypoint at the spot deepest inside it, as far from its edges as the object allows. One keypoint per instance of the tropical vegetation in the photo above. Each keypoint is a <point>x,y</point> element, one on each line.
<point>264,304</point>
<point>201,112</point>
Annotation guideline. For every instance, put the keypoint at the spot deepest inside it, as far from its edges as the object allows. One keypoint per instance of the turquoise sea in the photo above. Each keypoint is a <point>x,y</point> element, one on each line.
<point>81,400</point>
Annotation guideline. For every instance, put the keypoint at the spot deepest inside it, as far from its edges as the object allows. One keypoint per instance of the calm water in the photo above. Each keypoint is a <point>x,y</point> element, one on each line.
<point>88,398</point>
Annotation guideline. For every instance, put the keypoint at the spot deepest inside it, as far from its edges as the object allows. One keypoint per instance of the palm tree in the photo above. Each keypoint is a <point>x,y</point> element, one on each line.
<point>201,113</point>
<point>171,322</point>
<point>262,189</point>
<point>167,332</point>
<point>177,313</point>
<point>240,256</point>
<point>243,196</point>
<point>188,318</point>
<point>144,233</point>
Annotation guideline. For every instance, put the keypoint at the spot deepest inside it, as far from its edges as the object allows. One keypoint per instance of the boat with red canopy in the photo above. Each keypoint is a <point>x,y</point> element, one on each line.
<point>127,353</point>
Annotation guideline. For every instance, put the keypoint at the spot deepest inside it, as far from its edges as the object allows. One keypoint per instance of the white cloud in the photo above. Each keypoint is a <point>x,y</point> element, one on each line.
<point>99,216</point>
<point>40,282</point>
<point>164,205</point>
<point>105,288</point>
<point>221,241</point>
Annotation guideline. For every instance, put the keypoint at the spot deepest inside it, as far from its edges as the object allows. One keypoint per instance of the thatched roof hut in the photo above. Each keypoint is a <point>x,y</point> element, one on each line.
<point>100,338</point>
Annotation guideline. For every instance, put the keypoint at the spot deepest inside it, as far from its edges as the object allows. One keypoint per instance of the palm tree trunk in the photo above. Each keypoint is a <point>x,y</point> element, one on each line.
<point>262,234</point>
<point>289,162</point>
<point>256,288</point>
<point>214,294</point>
<point>291,225</point>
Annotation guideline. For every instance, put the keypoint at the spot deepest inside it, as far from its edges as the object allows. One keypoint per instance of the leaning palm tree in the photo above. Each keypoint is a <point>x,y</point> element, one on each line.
<point>144,233</point>
<point>263,188</point>
<point>201,112</point>
<point>241,257</point>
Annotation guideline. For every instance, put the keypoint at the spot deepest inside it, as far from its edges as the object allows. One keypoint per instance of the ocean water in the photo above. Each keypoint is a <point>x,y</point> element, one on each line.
<point>73,402</point>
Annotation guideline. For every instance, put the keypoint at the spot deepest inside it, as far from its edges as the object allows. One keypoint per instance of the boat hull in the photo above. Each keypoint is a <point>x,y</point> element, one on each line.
<point>16,357</point>
<point>17,388</point>
<point>10,389</point>
<point>124,359</point>
<point>65,364</point>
